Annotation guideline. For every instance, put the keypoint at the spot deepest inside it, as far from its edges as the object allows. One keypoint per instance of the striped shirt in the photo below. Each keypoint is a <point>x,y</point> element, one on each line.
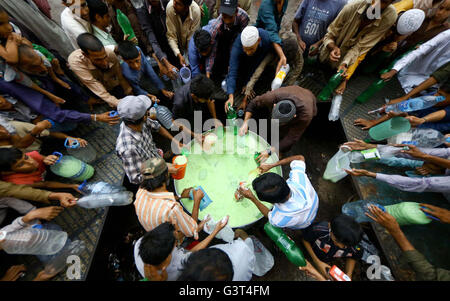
<point>153,209</point>
<point>300,210</point>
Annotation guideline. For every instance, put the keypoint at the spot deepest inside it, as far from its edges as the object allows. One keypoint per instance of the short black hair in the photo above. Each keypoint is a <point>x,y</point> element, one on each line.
<point>271,187</point>
<point>157,244</point>
<point>88,42</point>
<point>202,87</point>
<point>96,7</point>
<point>202,40</point>
<point>290,49</point>
<point>127,50</point>
<point>210,264</point>
<point>346,230</point>
<point>9,156</point>
<point>158,181</point>
<point>187,2</point>
<point>25,51</point>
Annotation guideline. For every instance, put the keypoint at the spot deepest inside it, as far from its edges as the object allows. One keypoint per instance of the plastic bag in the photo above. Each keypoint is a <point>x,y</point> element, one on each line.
<point>264,260</point>
<point>226,234</point>
<point>335,167</point>
<point>335,107</point>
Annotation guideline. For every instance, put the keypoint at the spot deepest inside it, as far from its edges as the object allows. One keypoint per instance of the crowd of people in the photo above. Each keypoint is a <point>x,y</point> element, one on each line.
<point>54,77</point>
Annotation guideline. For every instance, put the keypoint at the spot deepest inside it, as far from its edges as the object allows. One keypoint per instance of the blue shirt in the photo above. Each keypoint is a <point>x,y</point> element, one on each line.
<point>197,61</point>
<point>237,54</point>
<point>300,210</point>
<point>134,76</point>
<point>314,17</point>
<point>269,19</point>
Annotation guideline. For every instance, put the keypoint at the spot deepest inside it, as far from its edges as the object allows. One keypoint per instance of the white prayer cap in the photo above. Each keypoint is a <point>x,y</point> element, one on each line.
<point>249,36</point>
<point>410,21</point>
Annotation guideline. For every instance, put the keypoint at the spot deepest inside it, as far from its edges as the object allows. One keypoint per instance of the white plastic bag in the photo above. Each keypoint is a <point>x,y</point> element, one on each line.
<point>226,234</point>
<point>335,107</point>
<point>264,260</point>
<point>335,167</point>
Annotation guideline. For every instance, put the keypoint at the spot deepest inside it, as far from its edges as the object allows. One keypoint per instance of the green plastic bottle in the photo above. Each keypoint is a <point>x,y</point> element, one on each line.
<point>255,156</point>
<point>232,115</point>
<point>44,51</point>
<point>286,244</point>
<point>125,24</point>
<point>408,213</point>
<point>205,17</point>
<point>334,81</point>
<point>370,92</point>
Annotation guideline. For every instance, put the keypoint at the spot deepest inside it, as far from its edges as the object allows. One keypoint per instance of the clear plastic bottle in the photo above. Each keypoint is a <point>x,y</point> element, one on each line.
<point>59,261</point>
<point>164,116</point>
<point>33,241</point>
<point>122,198</point>
<point>411,105</point>
<point>335,107</point>
<point>358,209</point>
<point>99,188</point>
<point>429,138</point>
<point>86,154</point>
<point>279,78</point>
<point>226,234</point>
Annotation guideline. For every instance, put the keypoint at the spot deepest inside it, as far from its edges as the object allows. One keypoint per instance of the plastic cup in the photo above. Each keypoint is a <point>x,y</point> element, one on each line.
<point>389,128</point>
<point>179,161</point>
<point>185,74</point>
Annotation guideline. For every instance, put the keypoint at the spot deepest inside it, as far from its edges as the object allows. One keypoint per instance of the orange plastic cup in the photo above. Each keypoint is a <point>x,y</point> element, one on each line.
<point>180,173</point>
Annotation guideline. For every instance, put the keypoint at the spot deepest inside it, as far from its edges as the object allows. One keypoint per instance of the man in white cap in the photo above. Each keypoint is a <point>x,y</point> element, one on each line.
<point>135,144</point>
<point>249,49</point>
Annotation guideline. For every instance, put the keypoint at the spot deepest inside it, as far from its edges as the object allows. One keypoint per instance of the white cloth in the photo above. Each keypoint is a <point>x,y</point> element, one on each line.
<point>419,64</point>
<point>249,36</point>
<point>173,269</point>
<point>73,26</point>
<point>300,210</point>
<point>242,256</point>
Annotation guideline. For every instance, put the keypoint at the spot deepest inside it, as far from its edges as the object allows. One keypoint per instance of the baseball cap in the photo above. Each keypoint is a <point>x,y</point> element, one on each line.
<point>287,115</point>
<point>228,7</point>
<point>153,167</point>
<point>133,107</point>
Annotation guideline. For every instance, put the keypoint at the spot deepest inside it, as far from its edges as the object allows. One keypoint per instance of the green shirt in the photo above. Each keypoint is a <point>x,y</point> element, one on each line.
<point>424,270</point>
<point>442,73</point>
<point>104,37</point>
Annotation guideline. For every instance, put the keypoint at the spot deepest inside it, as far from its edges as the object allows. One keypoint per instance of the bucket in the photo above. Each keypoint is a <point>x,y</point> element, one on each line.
<point>185,74</point>
<point>179,161</point>
<point>389,128</point>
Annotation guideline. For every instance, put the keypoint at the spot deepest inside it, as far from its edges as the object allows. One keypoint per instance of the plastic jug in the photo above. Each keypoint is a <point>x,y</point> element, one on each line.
<point>334,81</point>
<point>279,78</point>
<point>86,154</point>
<point>33,241</point>
<point>335,167</point>
<point>121,198</point>
<point>177,82</point>
<point>429,138</point>
<point>185,74</point>
<point>389,128</point>
<point>179,161</point>
<point>125,24</point>
<point>72,168</point>
<point>99,188</point>
<point>59,262</point>
<point>335,107</point>
<point>286,244</point>
<point>206,200</point>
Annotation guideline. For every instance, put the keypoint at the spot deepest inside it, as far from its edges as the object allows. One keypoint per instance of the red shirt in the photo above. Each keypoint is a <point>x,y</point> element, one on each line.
<point>28,178</point>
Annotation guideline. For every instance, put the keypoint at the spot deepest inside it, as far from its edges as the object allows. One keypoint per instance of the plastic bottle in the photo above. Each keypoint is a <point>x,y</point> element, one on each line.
<point>358,209</point>
<point>334,81</point>
<point>204,20</point>
<point>125,24</point>
<point>370,92</point>
<point>335,107</point>
<point>86,154</point>
<point>121,198</point>
<point>224,85</point>
<point>177,82</point>
<point>386,273</point>
<point>231,114</point>
<point>226,234</point>
<point>286,244</point>
<point>72,168</point>
<point>33,241</point>
<point>115,127</point>
<point>279,78</point>
<point>312,59</point>
<point>410,105</point>
<point>429,138</point>
<point>163,115</point>
<point>59,262</point>
<point>137,4</point>
<point>99,188</point>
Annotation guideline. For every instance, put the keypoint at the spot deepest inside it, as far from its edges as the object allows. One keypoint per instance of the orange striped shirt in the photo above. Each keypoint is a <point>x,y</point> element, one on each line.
<point>153,209</point>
